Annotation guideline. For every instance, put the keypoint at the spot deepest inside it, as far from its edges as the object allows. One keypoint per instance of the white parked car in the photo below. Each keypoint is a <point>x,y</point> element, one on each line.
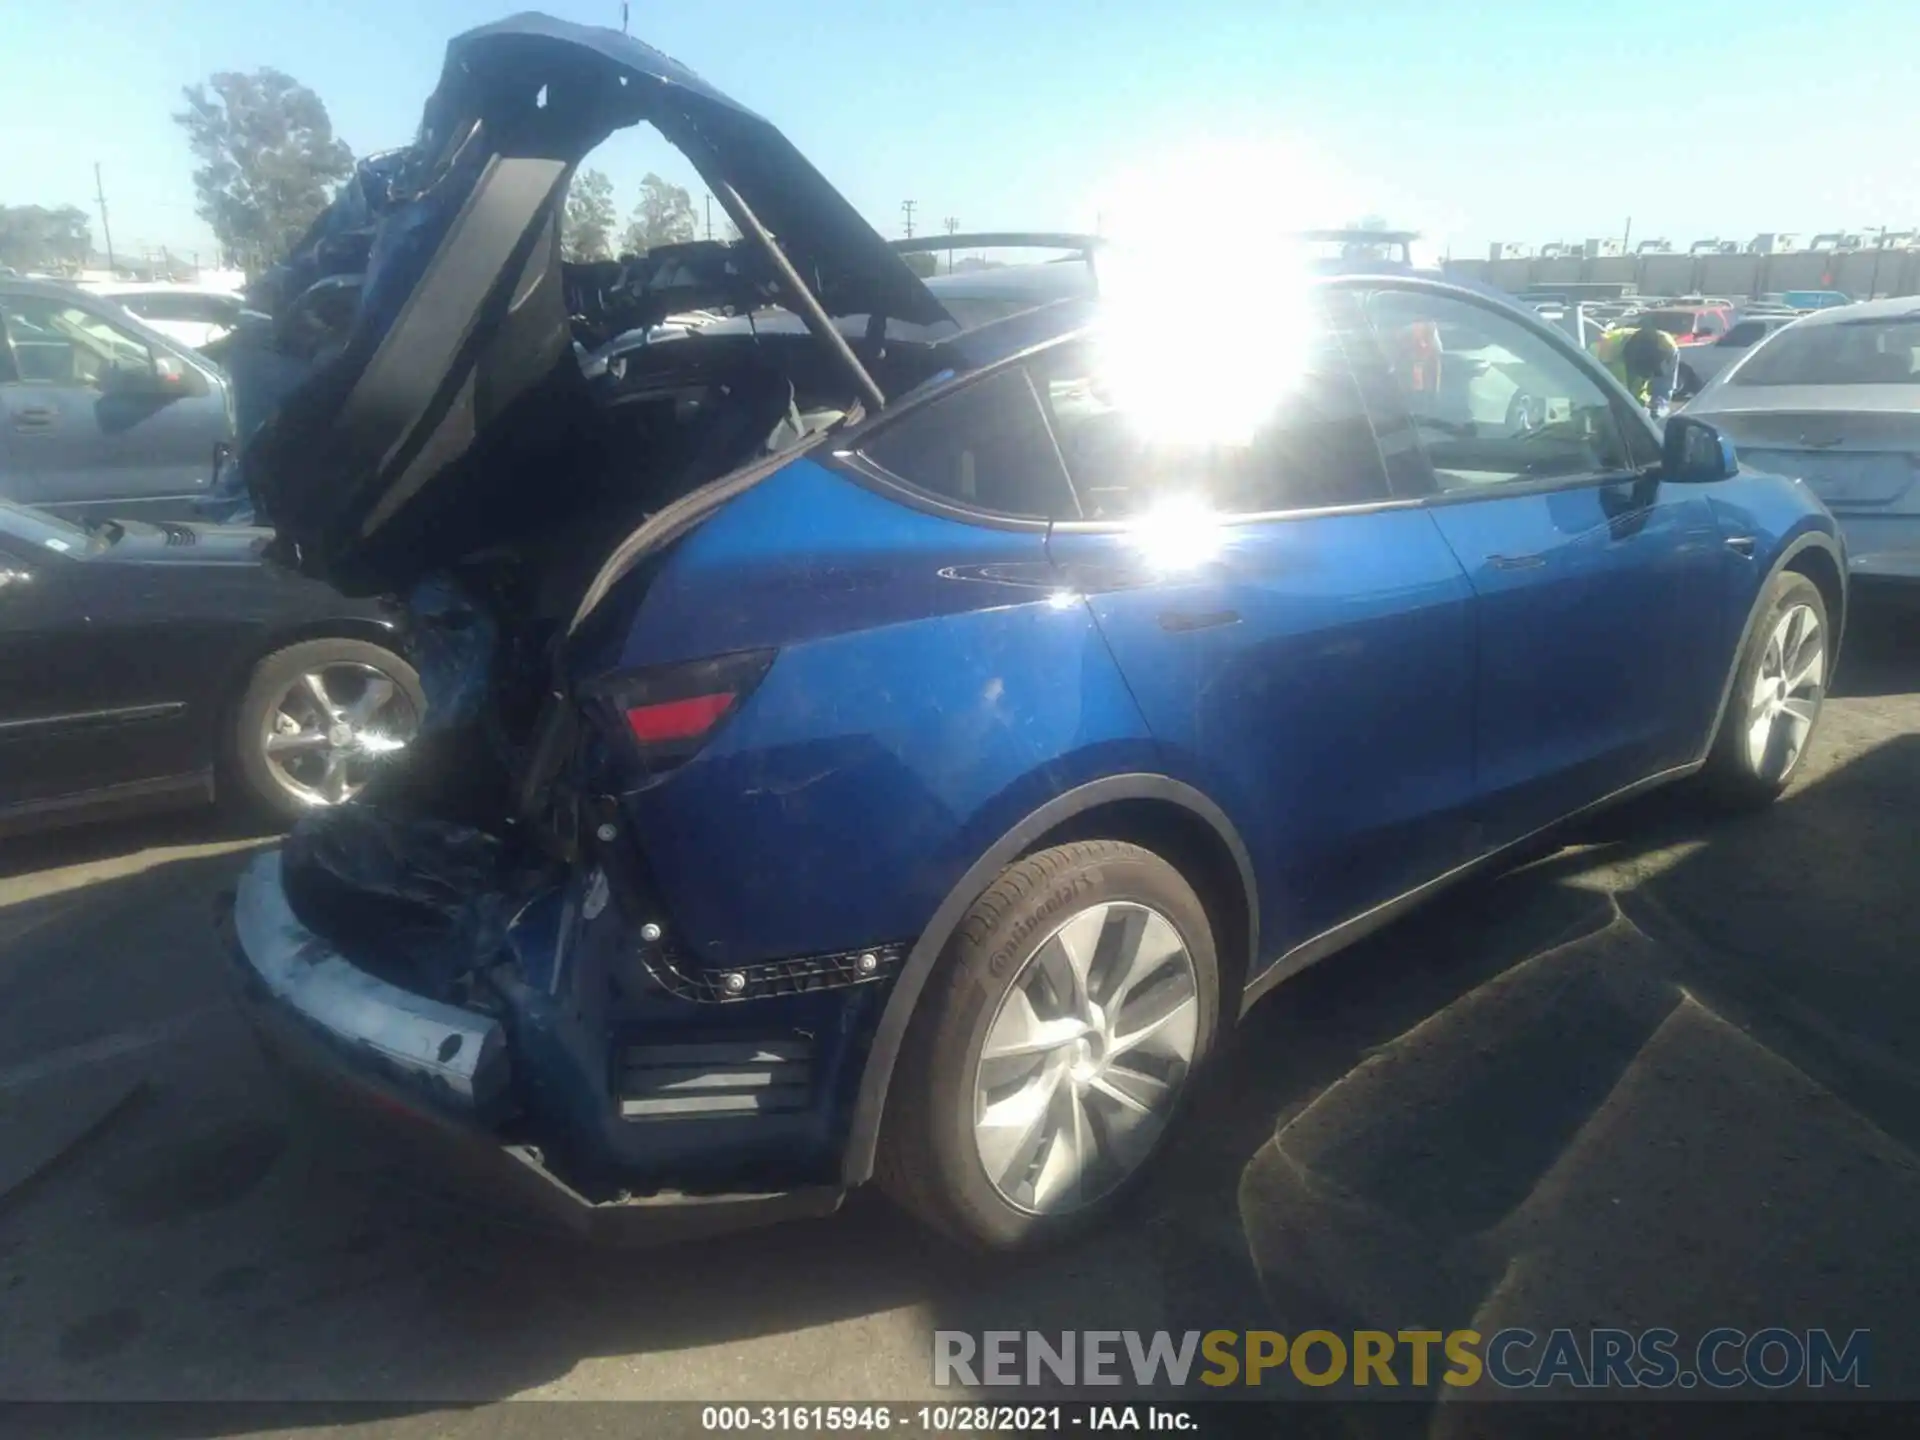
<point>1834,398</point>
<point>194,315</point>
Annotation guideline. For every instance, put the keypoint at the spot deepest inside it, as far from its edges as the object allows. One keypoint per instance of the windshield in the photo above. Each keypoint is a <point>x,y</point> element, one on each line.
<point>42,530</point>
<point>1854,352</point>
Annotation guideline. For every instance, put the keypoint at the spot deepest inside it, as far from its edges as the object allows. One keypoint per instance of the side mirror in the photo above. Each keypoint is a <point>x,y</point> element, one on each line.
<point>137,380</point>
<point>1694,453</point>
<point>163,378</point>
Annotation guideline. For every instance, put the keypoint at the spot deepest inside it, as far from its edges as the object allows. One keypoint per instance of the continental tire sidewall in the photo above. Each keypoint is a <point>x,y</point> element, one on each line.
<point>991,949</point>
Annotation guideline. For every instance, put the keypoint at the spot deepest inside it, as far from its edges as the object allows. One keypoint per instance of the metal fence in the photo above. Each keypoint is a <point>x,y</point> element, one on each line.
<point>1863,274</point>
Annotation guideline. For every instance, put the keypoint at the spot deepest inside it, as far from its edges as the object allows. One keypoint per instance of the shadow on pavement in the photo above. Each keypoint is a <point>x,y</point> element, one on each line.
<point>1881,650</point>
<point>1659,1078</point>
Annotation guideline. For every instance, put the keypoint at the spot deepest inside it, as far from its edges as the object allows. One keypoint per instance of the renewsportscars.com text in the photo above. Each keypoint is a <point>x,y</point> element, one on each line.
<point>1511,1359</point>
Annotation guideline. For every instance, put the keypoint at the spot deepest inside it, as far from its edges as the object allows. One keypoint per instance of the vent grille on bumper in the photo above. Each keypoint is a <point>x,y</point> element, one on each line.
<point>678,977</point>
<point>703,1079</point>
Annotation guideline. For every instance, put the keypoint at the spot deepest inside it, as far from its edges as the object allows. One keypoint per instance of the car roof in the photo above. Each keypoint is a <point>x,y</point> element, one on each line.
<point>50,289</point>
<point>1894,308</point>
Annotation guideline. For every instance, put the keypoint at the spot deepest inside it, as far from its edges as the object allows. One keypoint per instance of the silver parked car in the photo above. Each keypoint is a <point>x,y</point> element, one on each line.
<point>1834,398</point>
<point>1748,331</point>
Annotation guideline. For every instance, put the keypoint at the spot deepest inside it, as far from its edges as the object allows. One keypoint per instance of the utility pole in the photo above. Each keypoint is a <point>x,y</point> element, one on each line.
<point>623,17</point>
<point>709,215</point>
<point>952,225</point>
<point>100,194</point>
<point>906,209</point>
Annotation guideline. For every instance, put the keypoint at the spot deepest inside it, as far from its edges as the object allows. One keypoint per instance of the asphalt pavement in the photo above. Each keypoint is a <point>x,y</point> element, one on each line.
<point>1665,1076</point>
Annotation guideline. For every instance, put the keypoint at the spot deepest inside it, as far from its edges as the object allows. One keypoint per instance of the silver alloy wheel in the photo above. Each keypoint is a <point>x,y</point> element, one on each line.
<point>1085,1058</point>
<point>1786,694</point>
<point>328,729</point>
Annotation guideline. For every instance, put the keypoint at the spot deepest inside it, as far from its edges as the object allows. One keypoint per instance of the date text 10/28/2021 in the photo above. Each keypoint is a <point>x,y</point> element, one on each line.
<point>949,1419</point>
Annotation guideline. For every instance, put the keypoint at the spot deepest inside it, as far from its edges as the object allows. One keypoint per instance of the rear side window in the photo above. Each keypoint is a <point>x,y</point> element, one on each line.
<point>1853,352</point>
<point>985,446</point>
<point>1313,448</point>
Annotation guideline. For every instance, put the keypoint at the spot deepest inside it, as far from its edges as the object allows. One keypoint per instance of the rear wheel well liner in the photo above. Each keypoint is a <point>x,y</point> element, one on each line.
<point>1160,809</point>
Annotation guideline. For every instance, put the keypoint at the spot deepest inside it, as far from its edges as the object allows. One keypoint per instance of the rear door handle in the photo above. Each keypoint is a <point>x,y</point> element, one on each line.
<point>1516,562</point>
<point>1741,544</point>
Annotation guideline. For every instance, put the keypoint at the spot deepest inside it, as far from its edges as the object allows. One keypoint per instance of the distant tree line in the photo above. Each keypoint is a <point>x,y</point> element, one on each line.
<point>268,162</point>
<point>33,237</point>
<point>663,215</point>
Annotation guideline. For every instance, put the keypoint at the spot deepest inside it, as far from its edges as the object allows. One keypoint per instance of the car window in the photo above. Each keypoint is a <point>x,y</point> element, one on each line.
<point>1745,333</point>
<point>1852,352</point>
<point>1493,401</point>
<point>1313,447</point>
<point>985,446</point>
<point>1674,322</point>
<point>59,343</point>
<point>1710,322</point>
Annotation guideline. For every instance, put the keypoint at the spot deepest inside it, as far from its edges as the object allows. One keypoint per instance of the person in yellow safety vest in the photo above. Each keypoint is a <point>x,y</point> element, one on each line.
<point>1645,359</point>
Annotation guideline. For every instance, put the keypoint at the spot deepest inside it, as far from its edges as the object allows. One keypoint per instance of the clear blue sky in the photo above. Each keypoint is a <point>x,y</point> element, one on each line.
<point>1504,119</point>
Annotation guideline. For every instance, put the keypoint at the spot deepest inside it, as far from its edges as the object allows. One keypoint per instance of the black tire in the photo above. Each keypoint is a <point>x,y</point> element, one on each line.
<point>928,1161</point>
<point>1730,778</point>
<point>249,781</point>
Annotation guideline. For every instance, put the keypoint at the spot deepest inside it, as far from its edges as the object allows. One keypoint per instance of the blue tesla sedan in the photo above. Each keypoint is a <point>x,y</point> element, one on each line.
<point>864,746</point>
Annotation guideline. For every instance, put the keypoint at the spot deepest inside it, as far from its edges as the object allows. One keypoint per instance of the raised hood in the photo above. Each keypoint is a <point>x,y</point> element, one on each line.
<point>457,386</point>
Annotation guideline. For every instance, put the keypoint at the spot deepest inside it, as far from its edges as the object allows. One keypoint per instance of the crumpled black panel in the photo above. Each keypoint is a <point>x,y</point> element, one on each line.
<point>422,903</point>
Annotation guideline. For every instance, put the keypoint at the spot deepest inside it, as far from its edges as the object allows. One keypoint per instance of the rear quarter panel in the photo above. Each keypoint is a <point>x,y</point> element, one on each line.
<point>930,692</point>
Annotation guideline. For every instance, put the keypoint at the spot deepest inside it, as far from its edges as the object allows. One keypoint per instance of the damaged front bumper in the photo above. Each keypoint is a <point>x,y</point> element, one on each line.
<point>431,1085</point>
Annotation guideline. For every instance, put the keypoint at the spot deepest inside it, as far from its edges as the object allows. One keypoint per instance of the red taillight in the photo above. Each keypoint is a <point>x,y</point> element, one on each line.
<point>687,719</point>
<point>670,712</point>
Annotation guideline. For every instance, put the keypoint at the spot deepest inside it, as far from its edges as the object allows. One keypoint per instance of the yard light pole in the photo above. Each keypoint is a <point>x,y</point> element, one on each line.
<point>106,230</point>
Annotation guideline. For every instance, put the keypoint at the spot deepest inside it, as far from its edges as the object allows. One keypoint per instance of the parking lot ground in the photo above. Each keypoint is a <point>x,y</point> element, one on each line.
<point>1666,1076</point>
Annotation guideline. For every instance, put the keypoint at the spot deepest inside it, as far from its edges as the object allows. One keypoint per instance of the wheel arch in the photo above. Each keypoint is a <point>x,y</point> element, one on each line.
<point>1155,811</point>
<point>1822,566</point>
<point>1817,555</point>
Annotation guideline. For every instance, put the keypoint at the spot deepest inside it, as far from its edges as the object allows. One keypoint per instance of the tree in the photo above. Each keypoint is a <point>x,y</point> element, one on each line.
<point>923,263</point>
<point>663,216</point>
<point>268,160</point>
<point>586,227</point>
<point>32,237</point>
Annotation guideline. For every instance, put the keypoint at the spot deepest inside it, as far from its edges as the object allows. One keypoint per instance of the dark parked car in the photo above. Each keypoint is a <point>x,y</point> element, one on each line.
<point>99,413</point>
<point>925,789</point>
<point>144,665</point>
